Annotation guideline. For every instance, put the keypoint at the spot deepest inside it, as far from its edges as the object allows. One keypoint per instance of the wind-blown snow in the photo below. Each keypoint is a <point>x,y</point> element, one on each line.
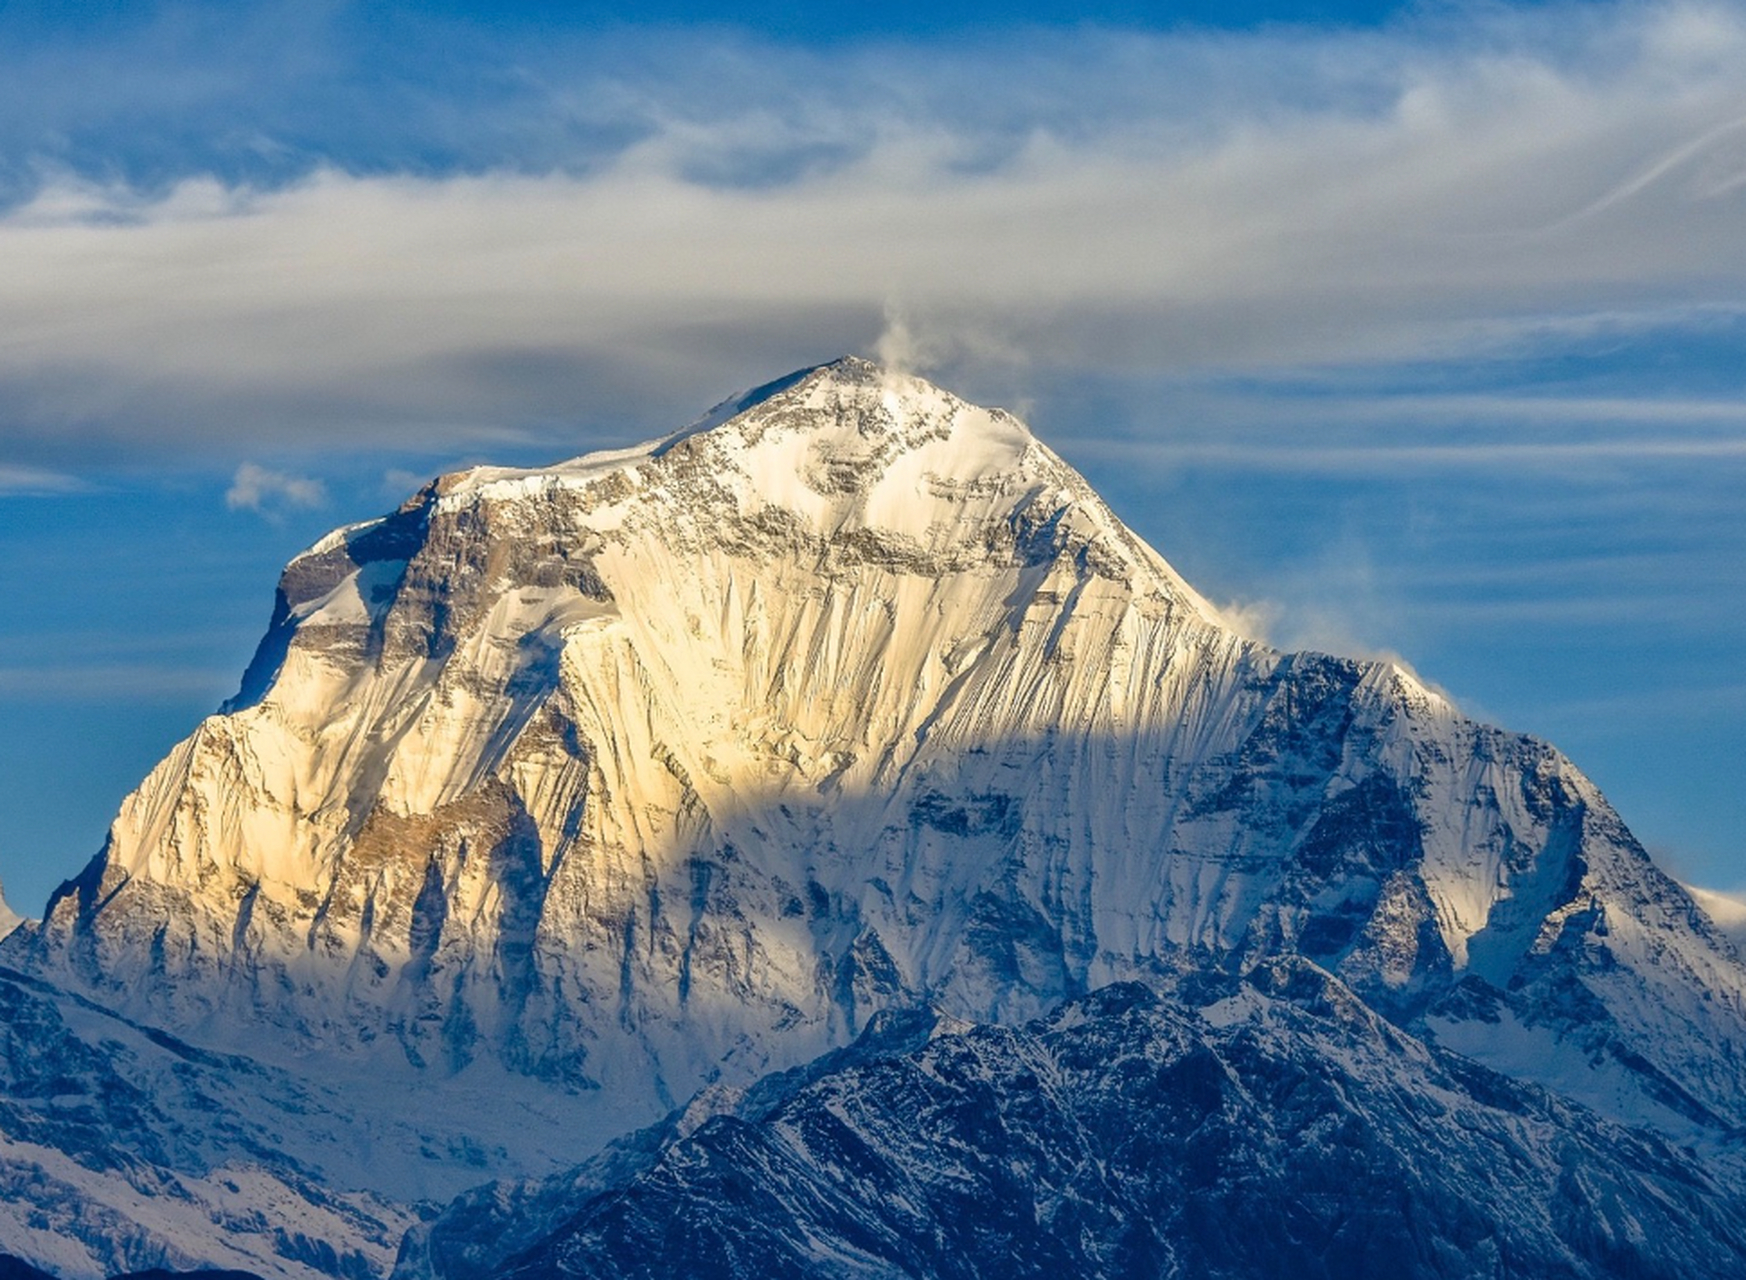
<point>1727,910</point>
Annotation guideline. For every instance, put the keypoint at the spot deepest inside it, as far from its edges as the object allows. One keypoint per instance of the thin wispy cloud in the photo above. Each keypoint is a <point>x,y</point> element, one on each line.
<point>1502,457</point>
<point>27,481</point>
<point>1364,198</point>
<point>112,682</point>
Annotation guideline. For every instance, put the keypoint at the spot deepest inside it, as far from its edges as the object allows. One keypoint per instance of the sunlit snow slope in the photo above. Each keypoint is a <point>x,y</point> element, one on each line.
<point>674,764</point>
<point>9,919</point>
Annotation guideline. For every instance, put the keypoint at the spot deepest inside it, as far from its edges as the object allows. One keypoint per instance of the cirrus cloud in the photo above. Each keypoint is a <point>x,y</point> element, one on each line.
<point>1357,198</point>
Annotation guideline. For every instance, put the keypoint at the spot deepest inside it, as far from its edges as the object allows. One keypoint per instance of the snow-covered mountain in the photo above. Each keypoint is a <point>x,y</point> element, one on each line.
<point>575,790</point>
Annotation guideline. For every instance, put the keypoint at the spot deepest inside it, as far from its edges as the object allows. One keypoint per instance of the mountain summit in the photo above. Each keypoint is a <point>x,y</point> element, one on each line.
<point>596,784</point>
<point>610,770</point>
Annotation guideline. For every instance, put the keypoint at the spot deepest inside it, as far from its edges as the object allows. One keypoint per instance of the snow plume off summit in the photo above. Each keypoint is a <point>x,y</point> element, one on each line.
<point>559,795</point>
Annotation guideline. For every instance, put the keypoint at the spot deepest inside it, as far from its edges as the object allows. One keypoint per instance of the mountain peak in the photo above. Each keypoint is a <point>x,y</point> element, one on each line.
<point>9,919</point>
<point>560,794</point>
<point>678,763</point>
<point>850,378</point>
<point>838,425</point>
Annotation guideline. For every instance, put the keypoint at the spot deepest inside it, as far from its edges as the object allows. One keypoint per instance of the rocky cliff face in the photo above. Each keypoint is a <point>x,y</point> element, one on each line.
<point>584,787</point>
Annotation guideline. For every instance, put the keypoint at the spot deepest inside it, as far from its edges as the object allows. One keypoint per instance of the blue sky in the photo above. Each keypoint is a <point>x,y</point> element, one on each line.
<point>1416,330</point>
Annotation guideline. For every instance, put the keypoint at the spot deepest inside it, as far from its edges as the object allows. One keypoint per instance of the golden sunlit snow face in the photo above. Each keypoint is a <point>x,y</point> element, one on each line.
<point>1422,334</point>
<point>847,634</point>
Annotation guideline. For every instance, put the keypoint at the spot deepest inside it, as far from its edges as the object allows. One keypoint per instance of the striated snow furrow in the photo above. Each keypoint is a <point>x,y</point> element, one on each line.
<point>588,786</point>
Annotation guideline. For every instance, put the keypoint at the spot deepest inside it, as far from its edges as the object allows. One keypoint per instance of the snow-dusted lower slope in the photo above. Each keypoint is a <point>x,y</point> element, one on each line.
<point>476,1235</point>
<point>123,1149</point>
<point>599,783</point>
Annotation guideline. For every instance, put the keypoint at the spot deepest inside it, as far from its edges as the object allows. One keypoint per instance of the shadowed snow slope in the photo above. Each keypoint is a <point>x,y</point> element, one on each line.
<point>587,786</point>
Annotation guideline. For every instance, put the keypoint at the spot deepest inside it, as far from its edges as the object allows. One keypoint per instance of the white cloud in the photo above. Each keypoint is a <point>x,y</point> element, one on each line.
<point>1352,199</point>
<point>24,481</point>
<point>399,482</point>
<point>255,488</point>
<point>897,347</point>
<point>1319,630</point>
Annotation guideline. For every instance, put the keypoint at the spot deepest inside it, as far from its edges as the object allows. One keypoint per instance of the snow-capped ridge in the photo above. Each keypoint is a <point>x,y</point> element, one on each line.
<point>853,394</point>
<point>735,405</point>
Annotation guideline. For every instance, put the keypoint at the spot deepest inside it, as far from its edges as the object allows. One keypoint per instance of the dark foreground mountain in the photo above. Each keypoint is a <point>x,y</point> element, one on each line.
<point>1268,1126</point>
<point>556,796</point>
<point>18,1269</point>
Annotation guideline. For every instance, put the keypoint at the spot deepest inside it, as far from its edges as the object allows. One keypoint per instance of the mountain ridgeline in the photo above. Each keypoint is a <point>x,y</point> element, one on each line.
<point>558,795</point>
